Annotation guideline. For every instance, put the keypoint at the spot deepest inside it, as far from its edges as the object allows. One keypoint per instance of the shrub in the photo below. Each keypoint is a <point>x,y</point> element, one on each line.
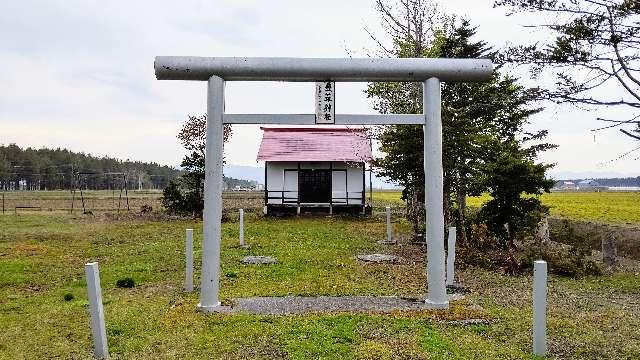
<point>179,198</point>
<point>125,283</point>
<point>68,297</point>
<point>571,261</point>
<point>486,252</point>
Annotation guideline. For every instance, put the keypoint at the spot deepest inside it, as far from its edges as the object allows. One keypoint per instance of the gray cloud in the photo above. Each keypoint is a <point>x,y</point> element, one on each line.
<point>79,74</point>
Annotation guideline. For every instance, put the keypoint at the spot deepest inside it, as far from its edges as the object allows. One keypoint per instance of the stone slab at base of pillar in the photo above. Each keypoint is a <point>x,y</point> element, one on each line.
<point>387,242</point>
<point>436,305</point>
<point>213,308</point>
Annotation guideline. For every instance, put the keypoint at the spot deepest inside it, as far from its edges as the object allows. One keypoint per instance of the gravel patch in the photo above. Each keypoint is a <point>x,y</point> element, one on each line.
<point>326,304</point>
<point>378,258</point>
<point>259,260</point>
<point>471,322</point>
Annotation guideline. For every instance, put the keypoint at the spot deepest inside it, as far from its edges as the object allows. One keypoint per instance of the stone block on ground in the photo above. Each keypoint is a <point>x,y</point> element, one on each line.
<point>457,288</point>
<point>259,260</point>
<point>378,258</point>
<point>610,251</point>
<point>386,242</point>
<point>542,232</point>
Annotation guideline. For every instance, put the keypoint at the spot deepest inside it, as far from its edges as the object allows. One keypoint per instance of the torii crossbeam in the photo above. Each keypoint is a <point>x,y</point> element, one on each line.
<point>217,70</point>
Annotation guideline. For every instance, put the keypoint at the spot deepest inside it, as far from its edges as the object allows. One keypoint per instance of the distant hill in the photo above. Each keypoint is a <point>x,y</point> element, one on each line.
<point>251,173</point>
<point>556,174</point>
<point>613,182</point>
<point>232,183</point>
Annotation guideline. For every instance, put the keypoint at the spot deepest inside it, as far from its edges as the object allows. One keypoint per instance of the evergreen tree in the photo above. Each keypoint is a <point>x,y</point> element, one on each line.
<point>477,117</point>
<point>510,173</point>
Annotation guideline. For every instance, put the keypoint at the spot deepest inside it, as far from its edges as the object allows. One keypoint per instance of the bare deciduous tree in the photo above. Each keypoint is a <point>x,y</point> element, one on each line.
<point>193,134</point>
<point>594,44</point>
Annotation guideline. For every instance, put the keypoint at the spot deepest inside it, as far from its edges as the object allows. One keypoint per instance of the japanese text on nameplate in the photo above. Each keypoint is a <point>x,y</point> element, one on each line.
<point>325,102</point>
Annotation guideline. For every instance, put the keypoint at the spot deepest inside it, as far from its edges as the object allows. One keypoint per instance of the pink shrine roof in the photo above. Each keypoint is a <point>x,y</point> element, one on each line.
<point>314,144</point>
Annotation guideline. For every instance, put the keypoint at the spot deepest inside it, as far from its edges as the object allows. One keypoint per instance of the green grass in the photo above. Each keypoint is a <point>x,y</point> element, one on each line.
<point>42,258</point>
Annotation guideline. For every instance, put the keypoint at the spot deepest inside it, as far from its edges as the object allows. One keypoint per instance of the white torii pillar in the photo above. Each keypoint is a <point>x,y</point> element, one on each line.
<point>433,194</point>
<point>218,70</point>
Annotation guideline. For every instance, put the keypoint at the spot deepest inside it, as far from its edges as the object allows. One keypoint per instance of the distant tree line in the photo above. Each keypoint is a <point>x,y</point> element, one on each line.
<point>50,169</point>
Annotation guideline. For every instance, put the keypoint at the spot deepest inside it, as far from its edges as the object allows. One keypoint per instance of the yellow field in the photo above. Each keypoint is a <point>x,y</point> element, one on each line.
<point>611,207</point>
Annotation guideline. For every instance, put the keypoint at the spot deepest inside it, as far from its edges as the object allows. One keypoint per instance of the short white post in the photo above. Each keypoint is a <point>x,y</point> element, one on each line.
<point>100,348</point>
<point>434,197</point>
<point>188,250</point>
<point>241,227</point>
<point>389,231</point>
<point>212,216</point>
<point>540,308</point>
<point>451,255</point>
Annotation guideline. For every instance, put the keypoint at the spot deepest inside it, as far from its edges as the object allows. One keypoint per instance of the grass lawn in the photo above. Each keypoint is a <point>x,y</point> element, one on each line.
<point>42,257</point>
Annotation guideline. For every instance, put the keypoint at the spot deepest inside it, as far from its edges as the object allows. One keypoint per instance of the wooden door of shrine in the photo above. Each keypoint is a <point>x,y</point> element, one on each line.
<point>314,186</point>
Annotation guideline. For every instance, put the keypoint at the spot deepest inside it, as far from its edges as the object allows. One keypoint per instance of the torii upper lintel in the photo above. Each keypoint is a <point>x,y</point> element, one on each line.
<point>321,69</point>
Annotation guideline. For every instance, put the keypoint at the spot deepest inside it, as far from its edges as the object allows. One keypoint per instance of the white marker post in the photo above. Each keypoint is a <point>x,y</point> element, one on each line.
<point>188,251</point>
<point>540,308</point>
<point>389,230</point>
<point>241,227</point>
<point>451,255</point>
<point>98,331</point>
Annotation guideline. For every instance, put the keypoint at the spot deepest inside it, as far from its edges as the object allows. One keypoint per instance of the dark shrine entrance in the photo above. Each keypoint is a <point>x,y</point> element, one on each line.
<point>314,186</point>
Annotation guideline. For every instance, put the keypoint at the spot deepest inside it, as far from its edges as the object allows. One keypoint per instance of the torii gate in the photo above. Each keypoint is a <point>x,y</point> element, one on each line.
<point>217,70</point>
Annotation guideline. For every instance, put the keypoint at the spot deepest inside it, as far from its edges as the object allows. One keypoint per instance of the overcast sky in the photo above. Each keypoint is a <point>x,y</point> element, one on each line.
<point>79,74</point>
